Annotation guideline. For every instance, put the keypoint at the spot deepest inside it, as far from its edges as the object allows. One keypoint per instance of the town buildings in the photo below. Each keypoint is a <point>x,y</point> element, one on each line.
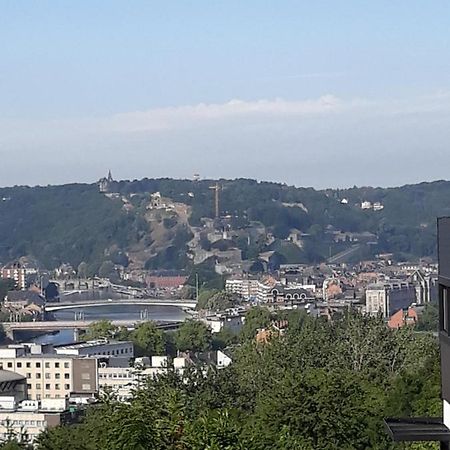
<point>18,273</point>
<point>51,375</point>
<point>389,297</point>
<point>26,419</point>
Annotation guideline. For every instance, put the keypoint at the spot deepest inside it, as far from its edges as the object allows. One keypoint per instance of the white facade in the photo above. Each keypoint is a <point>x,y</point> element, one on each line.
<point>245,288</point>
<point>100,347</point>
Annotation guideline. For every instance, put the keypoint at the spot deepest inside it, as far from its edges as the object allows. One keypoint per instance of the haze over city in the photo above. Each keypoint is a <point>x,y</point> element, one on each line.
<point>321,94</point>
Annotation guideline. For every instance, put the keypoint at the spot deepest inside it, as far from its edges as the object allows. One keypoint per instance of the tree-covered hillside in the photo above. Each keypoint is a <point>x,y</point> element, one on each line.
<point>75,223</point>
<point>56,224</point>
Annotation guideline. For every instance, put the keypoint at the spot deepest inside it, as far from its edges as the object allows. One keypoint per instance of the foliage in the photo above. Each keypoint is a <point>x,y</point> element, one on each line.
<point>101,329</point>
<point>74,222</point>
<point>80,224</point>
<point>213,300</point>
<point>148,340</point>
<point>254,319</point>
<point>323,385</point>
<point>429,318</point>
<point>193,336</point>
<point>5,286</point>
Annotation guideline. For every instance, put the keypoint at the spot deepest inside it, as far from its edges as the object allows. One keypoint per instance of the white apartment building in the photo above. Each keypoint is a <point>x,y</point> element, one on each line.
<point>122,380</point>
<point>25,418</point>
<point>246,288</point>
<point>50,375</point>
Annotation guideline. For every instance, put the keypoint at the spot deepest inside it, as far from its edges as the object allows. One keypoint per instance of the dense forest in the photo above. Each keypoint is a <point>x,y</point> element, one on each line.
<point>75,223</point>
<point>321,385</point>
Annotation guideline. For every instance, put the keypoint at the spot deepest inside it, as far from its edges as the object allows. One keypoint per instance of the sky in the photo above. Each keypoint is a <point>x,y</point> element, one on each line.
<point>310,93</point>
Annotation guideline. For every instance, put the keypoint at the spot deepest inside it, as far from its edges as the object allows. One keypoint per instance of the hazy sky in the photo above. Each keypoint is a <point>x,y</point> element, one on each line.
<point>321,93</point>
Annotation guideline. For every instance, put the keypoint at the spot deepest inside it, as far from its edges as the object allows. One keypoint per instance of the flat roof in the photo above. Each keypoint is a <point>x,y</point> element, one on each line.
<point>417,429</point>
<point>90,344</point>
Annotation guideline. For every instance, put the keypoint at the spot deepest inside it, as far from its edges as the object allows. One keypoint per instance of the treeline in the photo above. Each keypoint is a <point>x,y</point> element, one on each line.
<point>320,385</point>
<point>74,223</point>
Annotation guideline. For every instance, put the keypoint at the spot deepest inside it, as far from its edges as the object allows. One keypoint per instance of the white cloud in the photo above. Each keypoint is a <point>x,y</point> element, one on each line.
<point>321,142</point>
<point>203,114</point>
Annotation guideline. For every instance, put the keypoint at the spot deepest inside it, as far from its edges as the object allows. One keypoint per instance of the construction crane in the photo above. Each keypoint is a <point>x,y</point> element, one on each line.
<point>216,188</point>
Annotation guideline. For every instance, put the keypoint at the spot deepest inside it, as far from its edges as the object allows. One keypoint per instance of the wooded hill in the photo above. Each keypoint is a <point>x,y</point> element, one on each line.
<point>75,223</point>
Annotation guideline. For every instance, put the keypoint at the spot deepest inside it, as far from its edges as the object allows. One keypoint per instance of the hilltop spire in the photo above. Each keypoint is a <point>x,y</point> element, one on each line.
<point>110,178</point>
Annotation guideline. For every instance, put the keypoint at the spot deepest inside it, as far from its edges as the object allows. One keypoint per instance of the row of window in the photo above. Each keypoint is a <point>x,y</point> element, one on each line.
<point>48,386</point>
<point>116,375</point>
<point>19,365</point>
<point>48,376</point>
<point>31,423</point>
<point>120,351</point>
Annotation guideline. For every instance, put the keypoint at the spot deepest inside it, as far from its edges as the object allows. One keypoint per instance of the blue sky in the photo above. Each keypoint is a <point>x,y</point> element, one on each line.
<point>308,93</point>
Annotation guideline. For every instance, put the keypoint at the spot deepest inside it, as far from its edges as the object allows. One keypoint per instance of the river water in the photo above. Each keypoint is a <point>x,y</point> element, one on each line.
<point>110,312</point>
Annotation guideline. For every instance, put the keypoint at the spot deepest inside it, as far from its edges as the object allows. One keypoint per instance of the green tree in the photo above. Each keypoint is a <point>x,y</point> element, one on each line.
<point>101,329</point>
<point>148,340</point>
<point>106,270</point>
<point>193,336</point>
<point>5,286</point>
<point>255,319</point>
<point>429,318</point>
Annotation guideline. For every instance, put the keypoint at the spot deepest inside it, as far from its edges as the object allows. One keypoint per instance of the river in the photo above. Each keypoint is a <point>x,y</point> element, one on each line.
<point>110,312</point>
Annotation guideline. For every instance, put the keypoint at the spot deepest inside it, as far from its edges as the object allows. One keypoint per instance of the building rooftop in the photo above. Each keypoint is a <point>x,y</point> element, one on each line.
<point>90,344</point>
<point>7,375</point>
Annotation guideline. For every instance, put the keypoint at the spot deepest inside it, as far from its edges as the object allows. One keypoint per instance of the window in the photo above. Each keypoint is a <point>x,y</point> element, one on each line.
<point>47,376</point>
<point>10,365</point>
<point>66,376</point>
<point>66,365</point>
<point>85,376</point>
<point>47,365</point>
<point>38,376</point>
<point>19,365</point>
<point>28,375</point>
<point>57,387</point>
<point>28,386</point>
<point>38,365</point>
<point>28,365</point>
<point>56,365</point>
<point>57,376</point>
<point>38,385</point>
<point>67,387</point>
<point>444,300</point>
<point>47,386</point>
<point>86,387</point>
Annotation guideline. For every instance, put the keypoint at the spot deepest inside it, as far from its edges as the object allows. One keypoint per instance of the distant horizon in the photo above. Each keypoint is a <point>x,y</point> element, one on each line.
<point>89,183</point>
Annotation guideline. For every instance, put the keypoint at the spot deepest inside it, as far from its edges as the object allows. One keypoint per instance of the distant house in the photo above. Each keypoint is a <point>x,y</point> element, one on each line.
<point>21,299</point>
<point>403,317</point>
